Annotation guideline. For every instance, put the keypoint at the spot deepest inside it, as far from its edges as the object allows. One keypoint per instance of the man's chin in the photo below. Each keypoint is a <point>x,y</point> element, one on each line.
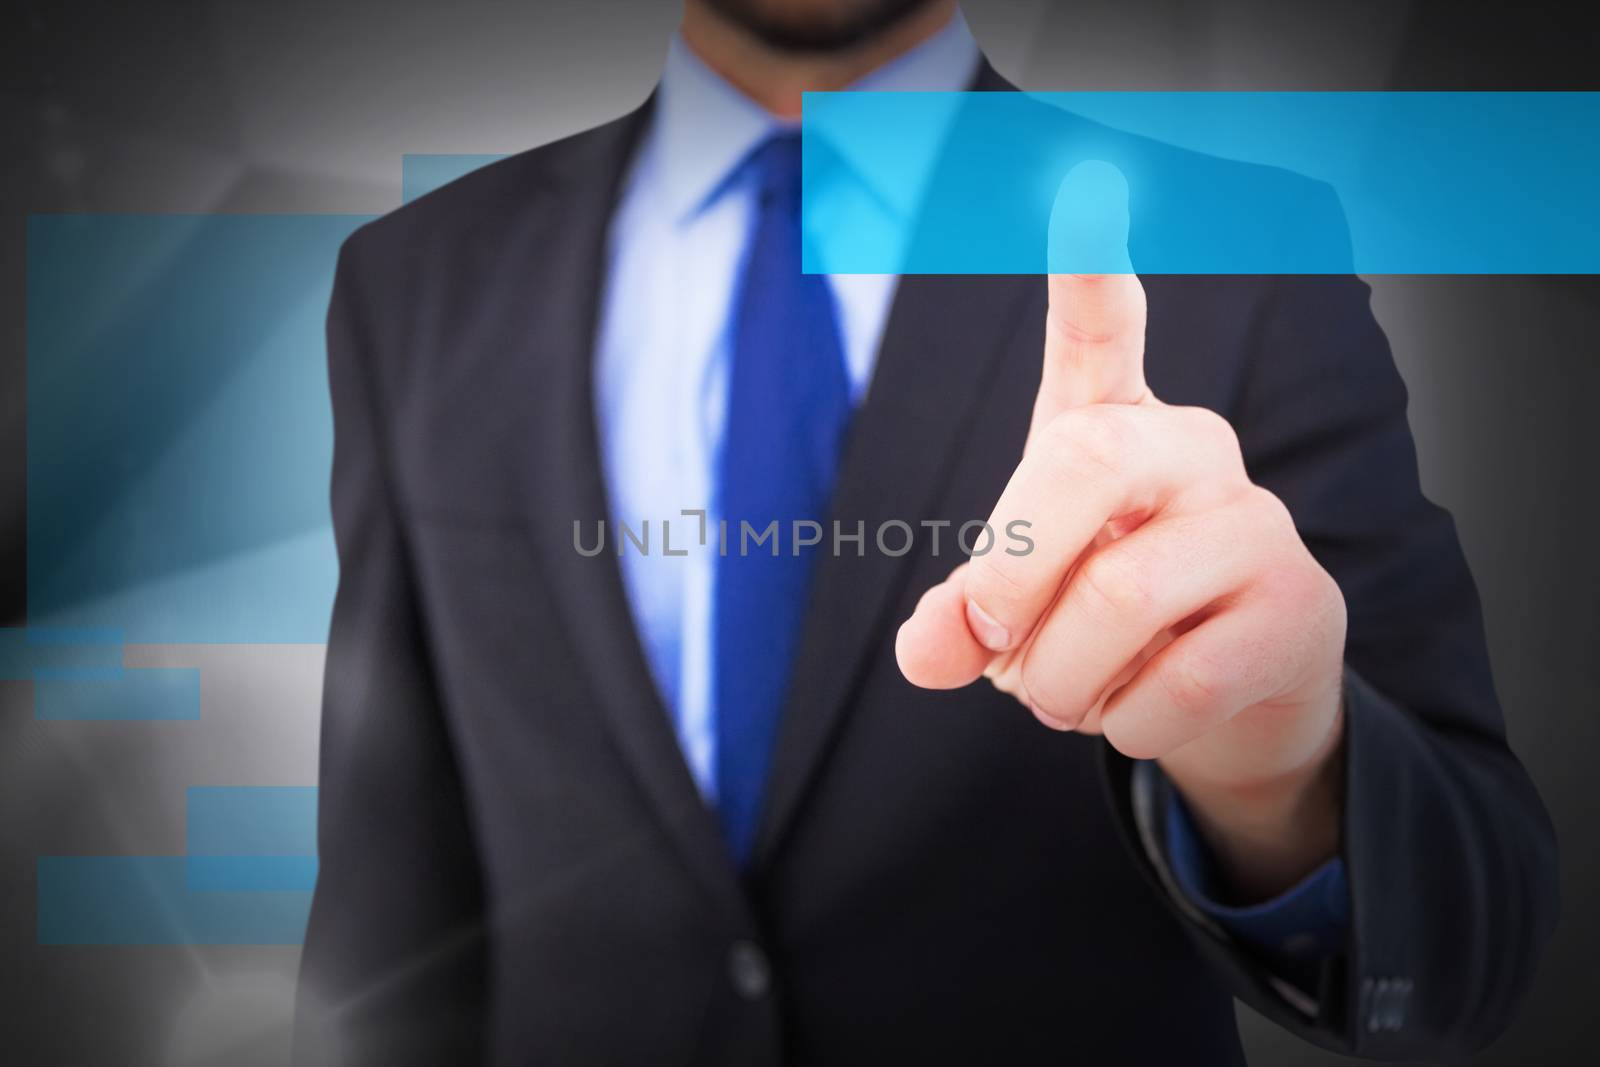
<point>815,26</point>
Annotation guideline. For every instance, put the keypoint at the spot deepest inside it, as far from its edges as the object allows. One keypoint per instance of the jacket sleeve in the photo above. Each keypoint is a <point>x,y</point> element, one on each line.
<point>1449,852</point>
<point>392,971</point>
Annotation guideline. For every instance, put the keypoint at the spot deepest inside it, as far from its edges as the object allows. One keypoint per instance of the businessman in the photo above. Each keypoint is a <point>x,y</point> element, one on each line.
<point>698,800</point>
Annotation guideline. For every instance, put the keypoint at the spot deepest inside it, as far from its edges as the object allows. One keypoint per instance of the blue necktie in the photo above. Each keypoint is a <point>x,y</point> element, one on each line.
<point>788,409</point>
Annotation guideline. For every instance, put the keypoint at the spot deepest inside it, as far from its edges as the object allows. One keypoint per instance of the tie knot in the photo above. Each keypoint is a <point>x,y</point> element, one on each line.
<point>775,165</point>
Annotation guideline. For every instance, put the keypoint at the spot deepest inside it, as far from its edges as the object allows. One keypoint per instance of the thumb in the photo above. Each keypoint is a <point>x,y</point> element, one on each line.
<point>1094,333</point>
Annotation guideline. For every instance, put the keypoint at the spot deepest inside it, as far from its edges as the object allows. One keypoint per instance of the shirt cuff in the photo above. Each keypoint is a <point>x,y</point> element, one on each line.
<point>1306,923</point>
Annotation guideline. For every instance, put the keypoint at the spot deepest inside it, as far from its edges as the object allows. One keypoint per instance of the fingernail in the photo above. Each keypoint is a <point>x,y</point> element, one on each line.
<point>990,634</point>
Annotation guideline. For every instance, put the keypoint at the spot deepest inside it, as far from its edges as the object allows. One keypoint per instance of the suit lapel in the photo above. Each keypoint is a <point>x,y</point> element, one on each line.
<point>566,248</point>
<point>945,341</point>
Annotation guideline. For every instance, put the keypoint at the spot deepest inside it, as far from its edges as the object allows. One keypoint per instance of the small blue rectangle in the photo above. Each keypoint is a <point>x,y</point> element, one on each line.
<point>267,874</point>
<point>35,652</point>
<point>73,635</point>
<point>252,821</point>
<point>154,694</point>
<point>146,900</point>
<point>77,674</point>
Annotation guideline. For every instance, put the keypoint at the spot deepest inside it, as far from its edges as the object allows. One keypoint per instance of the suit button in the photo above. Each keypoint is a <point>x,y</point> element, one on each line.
<point>749,970</point>
<point>1386,1000</point>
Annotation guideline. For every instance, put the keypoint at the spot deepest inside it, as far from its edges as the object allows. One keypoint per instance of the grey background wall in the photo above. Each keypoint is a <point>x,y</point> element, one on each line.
<point>307,107</point>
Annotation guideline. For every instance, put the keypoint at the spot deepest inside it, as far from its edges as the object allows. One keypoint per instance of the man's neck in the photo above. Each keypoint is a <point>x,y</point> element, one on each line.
<point>776,79</point>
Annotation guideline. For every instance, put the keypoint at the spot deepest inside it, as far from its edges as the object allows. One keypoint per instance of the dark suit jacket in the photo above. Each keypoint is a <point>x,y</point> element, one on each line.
<point>516,865</point>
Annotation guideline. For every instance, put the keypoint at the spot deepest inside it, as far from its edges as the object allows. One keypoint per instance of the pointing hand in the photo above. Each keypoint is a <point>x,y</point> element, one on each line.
<point>1168,602</point>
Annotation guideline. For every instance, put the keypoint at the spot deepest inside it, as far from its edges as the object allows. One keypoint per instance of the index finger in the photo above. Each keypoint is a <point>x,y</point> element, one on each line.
<point>1095,327</point>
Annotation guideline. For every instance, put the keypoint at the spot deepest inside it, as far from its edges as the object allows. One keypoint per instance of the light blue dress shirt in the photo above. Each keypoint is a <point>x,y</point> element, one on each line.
<point>675,253</point>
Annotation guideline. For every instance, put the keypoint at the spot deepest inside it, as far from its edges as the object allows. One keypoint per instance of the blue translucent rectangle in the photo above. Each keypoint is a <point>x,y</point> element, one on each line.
<point>1382,183</point>
<point>179,428</point>
<point>235,874</point>
<point>420,173</point>
<point>47,636</point>
<point>146,900</point>
<point>35,652</point>
<point>252,821</point>
<point>145,694</point>
<point>76,674</point>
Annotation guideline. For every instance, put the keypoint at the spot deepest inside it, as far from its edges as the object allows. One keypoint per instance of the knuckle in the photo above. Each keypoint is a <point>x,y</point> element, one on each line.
<point>1309,595</point>
<point>1196,685</point>
<point>1060,434</point>
<point>1072,328</point>
<point>1300,586</point>
<point>1094,440</point>
<point>1271,511</point>
<point>1305,606</point>
<point>1115,583</point>
<point>994,588</point>
<point>1215,435</point>
<point>1044,695</point>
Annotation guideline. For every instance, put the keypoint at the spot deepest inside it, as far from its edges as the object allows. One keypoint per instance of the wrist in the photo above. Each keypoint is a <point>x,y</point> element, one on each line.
<point>1269,832</point>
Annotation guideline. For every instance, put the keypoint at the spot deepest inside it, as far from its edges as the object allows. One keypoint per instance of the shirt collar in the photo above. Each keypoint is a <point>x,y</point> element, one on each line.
<point>704,127</point>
